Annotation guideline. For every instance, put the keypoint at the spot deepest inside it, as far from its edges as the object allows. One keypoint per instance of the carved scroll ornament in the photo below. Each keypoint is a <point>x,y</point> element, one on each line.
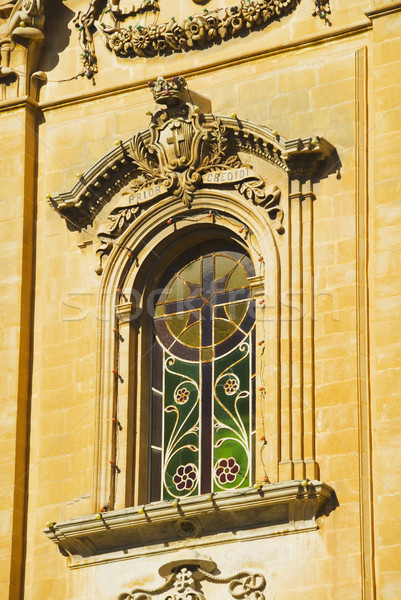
<point>184,151</point>
<point>183,574</point>
<point>184,154</point>
<point>19,20</point>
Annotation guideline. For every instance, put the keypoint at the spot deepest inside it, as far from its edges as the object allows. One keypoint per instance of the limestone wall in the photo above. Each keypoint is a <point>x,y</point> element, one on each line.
<point>300,76</point>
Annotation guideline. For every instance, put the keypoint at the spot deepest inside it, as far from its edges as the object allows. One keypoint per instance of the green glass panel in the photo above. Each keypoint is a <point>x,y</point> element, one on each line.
<point>192,273</point>
<point>178,290</point>
<point>191,336</point>
<point>237,311</point>
<point>237,279</point>
<point>177,323</point>
<point>232,436</point>
<point>180,428</point>
<point>223,265</point>
<point>222,330</point>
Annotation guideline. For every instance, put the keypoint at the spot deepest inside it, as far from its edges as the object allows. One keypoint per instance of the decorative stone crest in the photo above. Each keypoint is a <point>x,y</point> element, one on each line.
<point>182,152</point>
<point>183,574</point>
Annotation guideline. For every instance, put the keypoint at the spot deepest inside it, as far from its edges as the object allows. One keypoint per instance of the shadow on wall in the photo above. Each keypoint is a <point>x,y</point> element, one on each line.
<point>57,32</point>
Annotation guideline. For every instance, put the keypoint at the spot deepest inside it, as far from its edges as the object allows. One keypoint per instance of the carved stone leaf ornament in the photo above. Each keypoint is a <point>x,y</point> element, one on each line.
<point>195,31</point>
<point>184,573</point>
<point>183,154</point>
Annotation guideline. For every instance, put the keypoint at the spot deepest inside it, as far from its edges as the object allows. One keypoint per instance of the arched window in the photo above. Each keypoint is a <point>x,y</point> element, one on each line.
<point>202,406</point>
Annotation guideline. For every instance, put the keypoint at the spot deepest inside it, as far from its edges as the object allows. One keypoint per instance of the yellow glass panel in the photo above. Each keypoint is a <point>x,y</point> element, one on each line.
<point>191,336</point>
<point>207,354</point>
<point>177,291</point>
<point>223,265</point>
<point>177,323</point>
<point>159,310</point>
<point>237,279</point>
<point>236,312</point>
<point>222,330</point>
<point>192,273</point>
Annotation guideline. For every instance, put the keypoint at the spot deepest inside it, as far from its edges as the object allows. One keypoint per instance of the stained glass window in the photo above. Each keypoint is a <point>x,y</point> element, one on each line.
<point>203,374</point>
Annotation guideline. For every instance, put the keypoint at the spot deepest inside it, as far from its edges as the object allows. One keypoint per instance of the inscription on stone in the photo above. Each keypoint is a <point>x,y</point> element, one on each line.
<point>146,194</point>
<point>228,176</point>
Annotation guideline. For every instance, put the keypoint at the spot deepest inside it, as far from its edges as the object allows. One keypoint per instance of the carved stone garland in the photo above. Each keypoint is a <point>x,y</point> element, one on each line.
<point>196,31</point>
<point>182,574</point>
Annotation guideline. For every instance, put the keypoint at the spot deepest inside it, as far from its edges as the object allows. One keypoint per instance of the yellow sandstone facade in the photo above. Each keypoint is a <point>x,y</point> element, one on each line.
<point>133,137</point>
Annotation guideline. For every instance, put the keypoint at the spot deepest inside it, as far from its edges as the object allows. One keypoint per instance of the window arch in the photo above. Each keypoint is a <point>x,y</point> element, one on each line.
<point>202,403</point>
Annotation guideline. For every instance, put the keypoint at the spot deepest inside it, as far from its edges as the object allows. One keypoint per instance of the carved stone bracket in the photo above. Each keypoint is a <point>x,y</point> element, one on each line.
<point>183,573</point>
<point>21,22</point>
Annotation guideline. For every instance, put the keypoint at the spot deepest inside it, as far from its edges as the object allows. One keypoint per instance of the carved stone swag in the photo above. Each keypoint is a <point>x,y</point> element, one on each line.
<point>126,34</point>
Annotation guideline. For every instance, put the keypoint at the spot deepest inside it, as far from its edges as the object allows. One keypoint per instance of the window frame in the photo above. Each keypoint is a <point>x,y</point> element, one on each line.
<point>205,479</point>
<point>156,234</point>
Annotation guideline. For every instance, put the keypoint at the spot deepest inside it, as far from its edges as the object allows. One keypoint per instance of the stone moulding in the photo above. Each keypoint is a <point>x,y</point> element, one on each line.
<point>291,506</point>
<point>298,158</point>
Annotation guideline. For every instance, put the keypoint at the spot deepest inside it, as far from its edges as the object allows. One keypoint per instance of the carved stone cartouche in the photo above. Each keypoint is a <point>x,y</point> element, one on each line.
<point>182,574</point>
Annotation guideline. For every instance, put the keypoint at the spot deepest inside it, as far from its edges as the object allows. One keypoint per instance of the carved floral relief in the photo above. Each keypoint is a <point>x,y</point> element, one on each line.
<point>126,33</point>
<point>182,577</point>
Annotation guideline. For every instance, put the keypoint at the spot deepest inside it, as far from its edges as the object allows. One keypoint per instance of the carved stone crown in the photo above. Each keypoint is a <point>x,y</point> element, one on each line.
<point>168,91</point>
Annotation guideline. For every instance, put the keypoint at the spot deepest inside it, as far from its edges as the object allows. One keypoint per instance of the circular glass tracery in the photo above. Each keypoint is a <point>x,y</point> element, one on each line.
<point>204,307</point>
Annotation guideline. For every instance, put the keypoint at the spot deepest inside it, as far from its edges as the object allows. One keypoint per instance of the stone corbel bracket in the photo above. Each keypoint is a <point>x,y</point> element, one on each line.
<point>21,22</point>
<point>301,158</point>
<point>272,509</point>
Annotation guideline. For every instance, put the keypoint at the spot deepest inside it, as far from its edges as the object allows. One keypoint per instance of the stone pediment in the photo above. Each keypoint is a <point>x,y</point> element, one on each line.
<point>182,151</point>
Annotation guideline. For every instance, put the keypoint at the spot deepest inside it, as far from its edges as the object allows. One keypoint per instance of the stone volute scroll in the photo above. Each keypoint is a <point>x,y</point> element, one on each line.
<point>22,23</point>
<point>183,574</point>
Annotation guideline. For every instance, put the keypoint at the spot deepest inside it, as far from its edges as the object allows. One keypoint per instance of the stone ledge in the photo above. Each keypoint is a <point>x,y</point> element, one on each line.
<point>276,508</point>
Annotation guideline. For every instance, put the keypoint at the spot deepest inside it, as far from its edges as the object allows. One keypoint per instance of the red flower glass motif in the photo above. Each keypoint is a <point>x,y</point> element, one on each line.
<point>227,470</point>
<point>185,477</point>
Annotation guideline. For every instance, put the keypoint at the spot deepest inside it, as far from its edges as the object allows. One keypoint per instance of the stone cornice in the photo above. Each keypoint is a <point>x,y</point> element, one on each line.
<point>21,102</point>
<point>381,11</point>
<point>210,66</point>
<point>292,505</point>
